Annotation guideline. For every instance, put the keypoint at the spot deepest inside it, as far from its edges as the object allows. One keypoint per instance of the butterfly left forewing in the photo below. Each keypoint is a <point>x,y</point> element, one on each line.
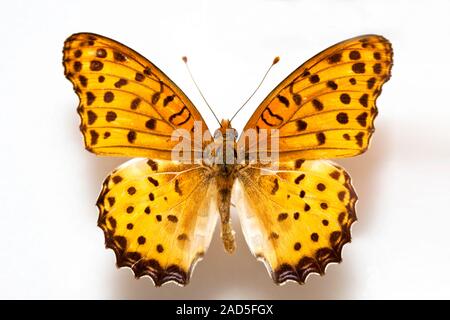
<point>296,218</point>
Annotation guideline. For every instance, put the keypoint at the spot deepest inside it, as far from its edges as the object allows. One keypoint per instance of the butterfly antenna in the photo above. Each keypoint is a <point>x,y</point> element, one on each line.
<point>185,60</point>
<point>275,61</point>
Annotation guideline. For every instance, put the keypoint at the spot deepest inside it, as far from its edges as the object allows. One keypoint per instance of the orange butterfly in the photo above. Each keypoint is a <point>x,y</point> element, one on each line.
<point>158,215</point>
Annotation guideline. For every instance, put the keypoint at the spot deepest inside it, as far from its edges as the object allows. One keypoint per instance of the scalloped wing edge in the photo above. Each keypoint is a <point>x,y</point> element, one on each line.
<point>323,256</point>
<point>380,90</point>
<point>133,260</point>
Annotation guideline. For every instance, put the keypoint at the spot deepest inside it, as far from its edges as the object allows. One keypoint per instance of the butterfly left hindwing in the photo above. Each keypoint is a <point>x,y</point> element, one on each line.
<point>128,107</point>
<point>158,217</point>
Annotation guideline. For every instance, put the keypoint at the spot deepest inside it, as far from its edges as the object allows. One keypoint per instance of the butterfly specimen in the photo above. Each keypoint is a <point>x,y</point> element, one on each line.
<point>158,214</point>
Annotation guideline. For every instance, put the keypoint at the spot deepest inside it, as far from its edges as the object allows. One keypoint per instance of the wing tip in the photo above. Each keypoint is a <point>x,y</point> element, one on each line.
<point>67,47</point>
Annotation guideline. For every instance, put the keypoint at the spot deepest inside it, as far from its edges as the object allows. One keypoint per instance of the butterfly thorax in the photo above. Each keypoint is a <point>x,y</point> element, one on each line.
<point>225,169</point>
<point>225,149</point>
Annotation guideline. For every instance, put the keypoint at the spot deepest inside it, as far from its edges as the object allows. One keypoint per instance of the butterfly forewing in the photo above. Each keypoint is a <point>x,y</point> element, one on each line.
<point>296,218</point>
<point>128,107</point>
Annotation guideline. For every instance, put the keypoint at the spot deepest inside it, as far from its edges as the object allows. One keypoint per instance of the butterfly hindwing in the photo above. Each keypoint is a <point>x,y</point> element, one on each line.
<point>128,107</point>
<point>296,218</point>
<point>158,217</point>
<point>326,107</point>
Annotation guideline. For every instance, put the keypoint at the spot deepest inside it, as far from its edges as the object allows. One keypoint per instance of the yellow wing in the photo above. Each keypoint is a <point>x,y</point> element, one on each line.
<point>326,107</point>
<point>128,107</point>
<point>297,218</point>
<point>158,217</point>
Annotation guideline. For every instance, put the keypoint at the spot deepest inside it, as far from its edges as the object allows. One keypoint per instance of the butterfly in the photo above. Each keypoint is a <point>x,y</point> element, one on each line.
<point>158,215</point>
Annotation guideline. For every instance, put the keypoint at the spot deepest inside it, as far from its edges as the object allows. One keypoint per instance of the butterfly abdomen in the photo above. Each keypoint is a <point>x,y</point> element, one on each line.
<point>224,185</point>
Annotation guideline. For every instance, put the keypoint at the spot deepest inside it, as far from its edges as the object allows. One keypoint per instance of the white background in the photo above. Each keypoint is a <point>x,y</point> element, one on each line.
<point>50,246</point>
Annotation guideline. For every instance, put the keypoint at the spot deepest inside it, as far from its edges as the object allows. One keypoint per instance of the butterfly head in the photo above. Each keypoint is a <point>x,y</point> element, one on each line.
<point>226,131</point>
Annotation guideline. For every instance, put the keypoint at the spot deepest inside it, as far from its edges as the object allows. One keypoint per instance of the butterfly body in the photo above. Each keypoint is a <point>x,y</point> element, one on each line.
<point>158,213</point>
<point>225,175</point>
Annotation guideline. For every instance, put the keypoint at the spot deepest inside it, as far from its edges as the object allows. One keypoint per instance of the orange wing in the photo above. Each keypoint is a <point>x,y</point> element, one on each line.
<point>297,218</point>
<point>158,217</point>
<point>128,107</point>
<point>326,107</point>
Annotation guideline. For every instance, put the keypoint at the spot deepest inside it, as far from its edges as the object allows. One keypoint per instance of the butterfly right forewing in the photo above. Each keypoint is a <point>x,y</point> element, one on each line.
<point>326,108</point>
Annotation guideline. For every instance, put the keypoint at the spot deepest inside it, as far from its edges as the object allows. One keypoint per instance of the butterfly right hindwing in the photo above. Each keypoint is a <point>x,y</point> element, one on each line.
<point>296,218</point>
